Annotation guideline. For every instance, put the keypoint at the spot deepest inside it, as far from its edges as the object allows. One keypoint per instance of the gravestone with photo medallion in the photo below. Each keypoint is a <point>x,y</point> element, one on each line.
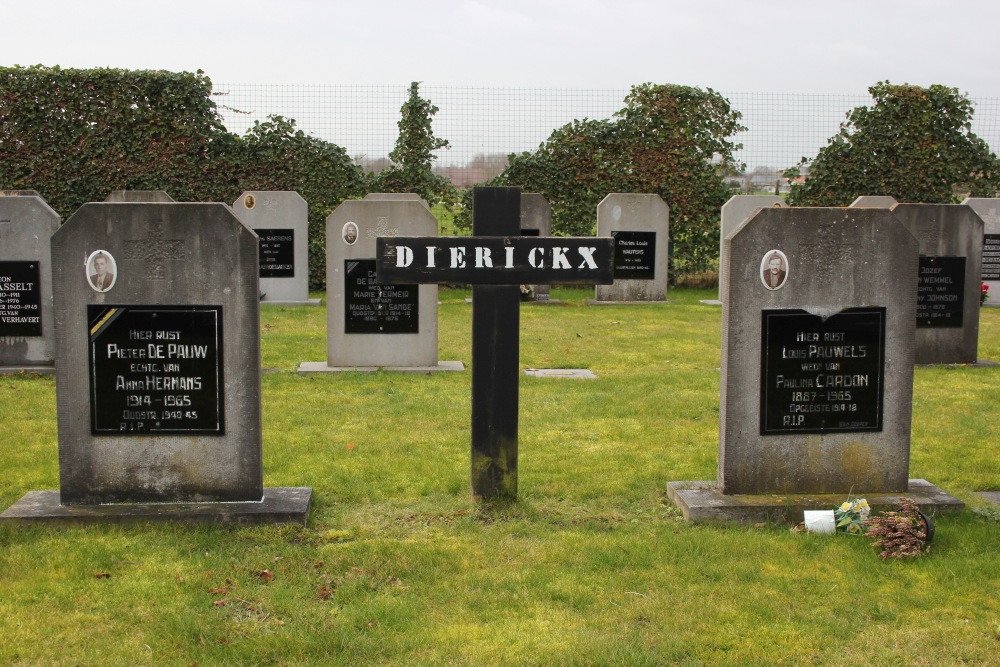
<point>817,367</point>
<point>372,325</point>
<point>989,210</point>
<point>640,227</point>
<point>157,341</point>
<point>281,221</point>
<point>27,339</point>
<point>950,241</point>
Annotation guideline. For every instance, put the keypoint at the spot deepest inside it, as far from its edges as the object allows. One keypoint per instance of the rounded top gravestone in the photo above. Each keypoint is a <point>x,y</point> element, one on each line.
<point>640,225</point>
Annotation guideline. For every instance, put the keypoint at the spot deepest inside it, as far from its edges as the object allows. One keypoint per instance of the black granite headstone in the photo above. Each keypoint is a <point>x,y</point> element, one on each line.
<point>20,299</point>
<point>941,292</point>
<point>277,253</point>
<point>635,255</point>
<point>373,308</point>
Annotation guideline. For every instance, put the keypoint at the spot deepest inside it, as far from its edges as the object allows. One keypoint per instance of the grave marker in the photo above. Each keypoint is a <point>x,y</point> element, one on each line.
<point>158,369</point>
<point>536,220</point>
<point>989,210</point>
<point>817,376</point>
<point>950,241</point>
<point>27,339</point>
<point>495,260</point>
<point>281,221</point>
<point>640,226</point>
<point>873,201</point>
<point>734,212</point>
<point>139,196</point>
<point>372,325</point>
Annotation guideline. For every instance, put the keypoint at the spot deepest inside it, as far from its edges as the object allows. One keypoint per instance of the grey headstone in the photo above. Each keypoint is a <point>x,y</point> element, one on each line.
<point>27,337</point>
<point>536,220</point>
<point>139,196</point>
<point>735,211</point>
<point>946,234</point>
<point>19,193</point>
<point>837,258</point>
<point>989,210</point>
<point>629,216</point>
<point>874,201</point>
<point>281,221</point>
<point>188,268</point>
<point>395,196</point>
<point>347,264</point>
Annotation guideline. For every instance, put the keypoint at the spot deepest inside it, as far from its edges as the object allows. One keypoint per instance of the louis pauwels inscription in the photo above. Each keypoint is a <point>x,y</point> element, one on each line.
<point>821,376</point>
<point>20,299</point>
<point>156,369</point>
<point>941,292</point>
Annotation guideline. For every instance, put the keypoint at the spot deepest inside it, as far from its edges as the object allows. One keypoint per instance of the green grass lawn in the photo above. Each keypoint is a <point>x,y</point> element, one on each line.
<point>592,565</point>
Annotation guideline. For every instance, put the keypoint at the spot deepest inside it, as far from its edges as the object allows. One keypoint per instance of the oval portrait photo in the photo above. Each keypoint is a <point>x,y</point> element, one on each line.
<point>774,269</point>
<point>350,233</point>
<point>102,271</point>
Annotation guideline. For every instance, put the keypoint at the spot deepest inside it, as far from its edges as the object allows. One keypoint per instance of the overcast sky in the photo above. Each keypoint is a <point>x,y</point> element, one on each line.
<point>787,46</point>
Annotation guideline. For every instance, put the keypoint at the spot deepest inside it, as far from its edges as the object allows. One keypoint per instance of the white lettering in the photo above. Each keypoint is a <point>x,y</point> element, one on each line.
<point>483,258</point>
<point>404,256</point>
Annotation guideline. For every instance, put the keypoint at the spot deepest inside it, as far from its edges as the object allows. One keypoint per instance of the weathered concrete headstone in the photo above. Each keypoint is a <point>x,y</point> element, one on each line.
<point>640,225</point>
<point>281,221</point>
<point>950,240</point>
<point>139,196</point>
<point>370,325</point>
<point>873,201</point>
<point>536,220</point>
<point>817,376</point>
<point>396,196</point>
<point>495,260</point>
<point>158,367</point>
<point>27,339</point>
<point>734,212</point>
<point>989,210</point>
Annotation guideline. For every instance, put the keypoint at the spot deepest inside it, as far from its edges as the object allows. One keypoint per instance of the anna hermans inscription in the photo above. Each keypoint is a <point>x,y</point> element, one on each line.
<point>156,369</point>
<point>20,299</point>
<point>820,376</point>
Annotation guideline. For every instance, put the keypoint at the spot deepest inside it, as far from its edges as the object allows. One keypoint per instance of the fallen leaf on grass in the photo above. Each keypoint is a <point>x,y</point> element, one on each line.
<point>102,575</point>
<point>350,446</point>
<point>219,591</point>
<point>325,592</point>
<point>266,575</point>
<point>220,603</point>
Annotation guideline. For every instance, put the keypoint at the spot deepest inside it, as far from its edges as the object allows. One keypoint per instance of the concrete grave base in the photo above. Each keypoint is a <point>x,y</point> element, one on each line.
<point>307,367</point>
<point>702,502</point>
<point>284,504</point>
<point>992,496</point>
<point>27,370</point>
<point>306,302</point>
<point>565,373</point>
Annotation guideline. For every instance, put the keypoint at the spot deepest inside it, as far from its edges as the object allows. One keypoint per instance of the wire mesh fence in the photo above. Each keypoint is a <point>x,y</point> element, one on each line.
<point>483,125</point>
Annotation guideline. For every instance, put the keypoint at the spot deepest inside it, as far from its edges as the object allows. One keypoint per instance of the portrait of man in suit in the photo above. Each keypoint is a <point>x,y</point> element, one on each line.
<point>774,269</point>
<point>101,271</point>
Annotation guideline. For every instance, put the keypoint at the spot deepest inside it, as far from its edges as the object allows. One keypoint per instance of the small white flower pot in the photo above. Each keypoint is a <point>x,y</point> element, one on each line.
<point>820,521</point>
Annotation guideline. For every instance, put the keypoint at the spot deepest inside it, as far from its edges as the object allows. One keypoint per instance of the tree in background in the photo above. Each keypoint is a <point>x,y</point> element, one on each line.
<point>914,144</point>
<point>75,135</point>
<point>668,140</point>
<point>413,155</point>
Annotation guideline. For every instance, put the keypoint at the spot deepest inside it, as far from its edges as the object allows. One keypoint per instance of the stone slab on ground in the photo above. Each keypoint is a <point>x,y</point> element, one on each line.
<point>28,370</point>
<point>710,302</point>
<point>595,302</point>
<point>284,504</point>
<point>564,373</point>
<point>992,496</point>
<point>702,502</point>
<point>307,367</point>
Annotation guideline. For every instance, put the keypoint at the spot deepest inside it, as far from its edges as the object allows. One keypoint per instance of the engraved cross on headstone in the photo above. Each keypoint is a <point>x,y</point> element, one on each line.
<point>154,250</point>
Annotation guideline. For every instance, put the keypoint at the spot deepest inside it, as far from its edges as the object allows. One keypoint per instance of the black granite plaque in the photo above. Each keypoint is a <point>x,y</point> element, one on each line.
<point>530,231</point>
<point>635,255</point>
<point>940,292</point>
<point>370,307</point>
<point>156,370</point>
<point>20,299</point>
<point>822,376</point>
<point>277,252</point>
<point>991,257</point>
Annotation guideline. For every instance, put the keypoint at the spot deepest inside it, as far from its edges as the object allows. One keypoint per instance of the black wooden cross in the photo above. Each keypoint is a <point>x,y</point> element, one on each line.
<point>495,260</point>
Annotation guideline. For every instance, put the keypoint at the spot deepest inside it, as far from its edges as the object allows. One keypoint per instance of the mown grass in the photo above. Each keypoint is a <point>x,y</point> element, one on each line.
<point>592,565</point>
